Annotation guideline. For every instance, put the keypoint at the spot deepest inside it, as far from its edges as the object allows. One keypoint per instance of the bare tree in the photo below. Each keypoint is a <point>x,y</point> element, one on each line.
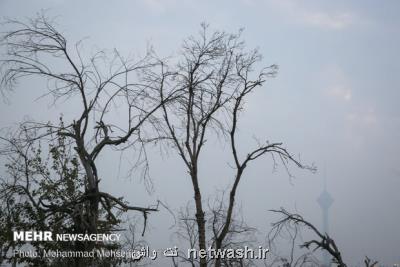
<point>288,237</point>
<point>370,263</point>
<point>102,83</point>
<point>215,76</point>
<point>239,235</point>
<point>134,242</point>
<point>322,242</point>
<point>186,232</point>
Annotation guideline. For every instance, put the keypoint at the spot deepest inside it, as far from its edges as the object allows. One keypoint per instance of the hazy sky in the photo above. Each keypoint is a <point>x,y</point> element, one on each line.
<point>334,101</point>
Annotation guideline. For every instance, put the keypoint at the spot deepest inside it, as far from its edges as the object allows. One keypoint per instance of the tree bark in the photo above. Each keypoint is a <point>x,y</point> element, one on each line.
<point>200,218</point>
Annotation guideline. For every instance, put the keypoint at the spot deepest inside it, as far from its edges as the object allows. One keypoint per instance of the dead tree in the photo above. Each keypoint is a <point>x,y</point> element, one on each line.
<point>101,83</point>
<point>239,235</point>
<point>322,242</point>
<point>215,74</point>
<point>370,263</point>
<point>289,237</point>
<point>186,232</point>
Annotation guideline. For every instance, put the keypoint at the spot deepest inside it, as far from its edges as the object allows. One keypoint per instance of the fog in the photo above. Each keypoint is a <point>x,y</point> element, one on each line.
<point>334,102</point>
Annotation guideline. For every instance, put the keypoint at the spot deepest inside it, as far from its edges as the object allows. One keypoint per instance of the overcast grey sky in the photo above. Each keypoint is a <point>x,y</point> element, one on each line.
<point>334,101</point>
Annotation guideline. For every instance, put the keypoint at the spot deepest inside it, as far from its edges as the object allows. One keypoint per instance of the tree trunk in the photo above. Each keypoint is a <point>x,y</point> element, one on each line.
<point>228,220</point>
<point>91,203</point>
<point>201,222</point>
<point>218,246</point>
